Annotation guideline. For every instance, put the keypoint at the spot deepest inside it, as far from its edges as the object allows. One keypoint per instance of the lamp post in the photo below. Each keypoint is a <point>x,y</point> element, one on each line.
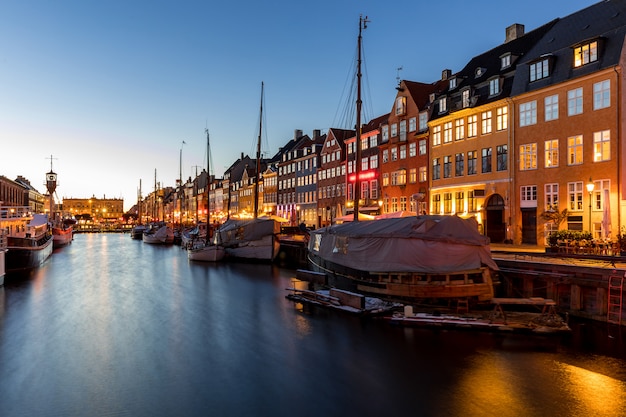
<point>590,187</point>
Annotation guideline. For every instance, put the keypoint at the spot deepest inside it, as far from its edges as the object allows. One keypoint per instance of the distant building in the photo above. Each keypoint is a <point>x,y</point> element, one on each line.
<point>95,208</point>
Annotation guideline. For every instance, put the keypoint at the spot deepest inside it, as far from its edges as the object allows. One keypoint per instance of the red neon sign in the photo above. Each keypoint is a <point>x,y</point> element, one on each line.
<point>363,176</point>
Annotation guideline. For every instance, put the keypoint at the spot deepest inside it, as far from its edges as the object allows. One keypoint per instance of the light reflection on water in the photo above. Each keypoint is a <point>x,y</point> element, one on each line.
<point>112,326</point>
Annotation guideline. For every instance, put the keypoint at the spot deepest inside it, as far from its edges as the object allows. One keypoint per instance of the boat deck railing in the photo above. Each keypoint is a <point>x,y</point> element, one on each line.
<point>3,239</point>
<point>14,212</point>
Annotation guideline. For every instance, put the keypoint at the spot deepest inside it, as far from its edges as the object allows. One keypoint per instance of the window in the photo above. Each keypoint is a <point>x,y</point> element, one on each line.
<point>385,179</point>
<point>528,196</point>
<point>447,203</point>
<point>465,98</point>
<point>364,143</point>
<point>400,106</point>
<point>447,132</point>
<point>575,102</point>
<point>423,174</point>
<point>422,147</point>
<point>412,149</point>
<point>494,86</point>
<point>471,162</point>
<point>364,164</point>
<point>472,126</point>
<point>423,121</point>
<point>505,61</point>
<point>602,94</point>
<point>502,118</point>
<point>539,70</point>
<point>436,203</point>
<point>403,203</point>
<point>374,161</point>
<point>413,175</point>
<point>447,166</point>
<point>486,160</point>
<point>374,189</point>
<point>551,153</point>
<point>552,107</point>
<point>552,197</point>
<point>436,135</point>
<point>528,157</point>
<point>443,105</point>
<point>385,156</point>
<point>486,122</point>
<point>403,130</point>
<point>436,168</point>
<point>402,151</point>
<point>575,150</point>
<point>373,141</point>
<point>394,204</point>
<point>412,124</point>
<point>385,132</point>
<point>471,202</point>
<point>459,127</point>
<point>601,146</point>
<point>528,113</point>
<point>452,83</point>
<point>459,165</point>
<point>459,202</point>
<point>575,195</point>
<point>394,154</point>
<point>394,130</point>
<point>502,157</point>
<point>586,53</point>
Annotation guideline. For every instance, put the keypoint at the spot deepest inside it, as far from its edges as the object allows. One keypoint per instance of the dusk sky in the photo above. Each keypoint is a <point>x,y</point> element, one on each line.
<point>111,89</point>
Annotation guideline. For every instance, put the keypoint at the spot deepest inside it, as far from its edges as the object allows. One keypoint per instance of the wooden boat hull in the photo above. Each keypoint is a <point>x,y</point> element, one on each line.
<point>265,249</point>
<point>474,284</point>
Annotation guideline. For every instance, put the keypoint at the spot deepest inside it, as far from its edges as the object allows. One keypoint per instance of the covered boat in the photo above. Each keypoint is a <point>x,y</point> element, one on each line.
<point>250,239</point>
<point>406,258</point>
<point>158,233</point>
<point>63,233</point>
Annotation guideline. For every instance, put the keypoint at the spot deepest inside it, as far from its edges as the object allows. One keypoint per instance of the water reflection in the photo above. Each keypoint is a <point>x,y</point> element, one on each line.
<point>112,326</point>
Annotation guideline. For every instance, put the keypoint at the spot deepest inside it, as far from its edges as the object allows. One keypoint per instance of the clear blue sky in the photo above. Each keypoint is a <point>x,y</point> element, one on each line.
<point>112,88</point>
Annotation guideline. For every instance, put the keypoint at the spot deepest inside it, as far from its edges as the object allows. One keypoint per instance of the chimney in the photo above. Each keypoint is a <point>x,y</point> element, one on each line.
<point>513,32</point>
<point>297,133</point>
<point>317,133</point>
<point>242,156</point>
<point>445,74</point>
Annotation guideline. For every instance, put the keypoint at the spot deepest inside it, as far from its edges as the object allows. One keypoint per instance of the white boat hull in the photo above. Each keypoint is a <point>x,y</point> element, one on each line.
<point>263,249</point>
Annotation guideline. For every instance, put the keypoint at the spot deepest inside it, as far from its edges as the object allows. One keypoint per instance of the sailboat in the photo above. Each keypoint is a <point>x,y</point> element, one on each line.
<point>209,252</point>
<point>411,258</point>
<point>256,238</point>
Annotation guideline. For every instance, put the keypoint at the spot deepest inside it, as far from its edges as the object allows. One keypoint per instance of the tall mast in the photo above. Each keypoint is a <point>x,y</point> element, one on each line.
<point>208,187</point>
<point>258,160</point>
<point>357,163</point>
<point>181,195</point>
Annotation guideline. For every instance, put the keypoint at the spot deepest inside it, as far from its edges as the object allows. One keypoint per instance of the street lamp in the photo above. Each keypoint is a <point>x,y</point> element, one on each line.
<point>590,187</point>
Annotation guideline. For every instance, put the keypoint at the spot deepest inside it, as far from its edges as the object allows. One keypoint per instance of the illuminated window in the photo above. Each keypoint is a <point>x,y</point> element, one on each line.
<point>502,118</point>
<point>459,127</point>
<point>584,54</point>
<point>575,150</point>
<point>551,153</point>
<point>601,146</point>
<point>528,157</point>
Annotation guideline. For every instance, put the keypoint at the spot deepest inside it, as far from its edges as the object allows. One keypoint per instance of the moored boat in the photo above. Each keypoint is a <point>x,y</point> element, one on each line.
<point>158,233</point>
<point>63,233</point>
<point>29,239</point>
<point>406,259</point>
<point>137,231</point>
<point>250,239</point>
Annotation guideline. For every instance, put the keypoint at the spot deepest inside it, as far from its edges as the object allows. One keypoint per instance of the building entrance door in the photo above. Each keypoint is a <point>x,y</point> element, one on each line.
<point>495,227</point>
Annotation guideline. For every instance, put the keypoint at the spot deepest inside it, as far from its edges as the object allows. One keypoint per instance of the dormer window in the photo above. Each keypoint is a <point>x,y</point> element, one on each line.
<point>443,105</point>
<point>465,98</point>
<point>540,69</point>
<point>400,106</point>
<point>505,61</point>
<point>585,53</point>
<point>452,83</point>
<point>494,86</point>
<point>479,72</point>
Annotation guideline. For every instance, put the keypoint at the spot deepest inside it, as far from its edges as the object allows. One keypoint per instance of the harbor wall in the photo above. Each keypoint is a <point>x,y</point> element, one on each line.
<point>578,290</point>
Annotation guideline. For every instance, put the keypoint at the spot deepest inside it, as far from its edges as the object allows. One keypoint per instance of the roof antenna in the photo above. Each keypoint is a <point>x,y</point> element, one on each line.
<point>398,74</point>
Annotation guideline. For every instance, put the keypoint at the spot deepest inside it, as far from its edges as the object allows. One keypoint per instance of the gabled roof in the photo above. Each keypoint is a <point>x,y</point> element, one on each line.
<point>375,123</point>
<point>420,92</point>
<point>605,21</point>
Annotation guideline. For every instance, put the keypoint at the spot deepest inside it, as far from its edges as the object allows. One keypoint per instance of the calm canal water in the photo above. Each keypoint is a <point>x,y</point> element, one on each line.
<point>115,327</point>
